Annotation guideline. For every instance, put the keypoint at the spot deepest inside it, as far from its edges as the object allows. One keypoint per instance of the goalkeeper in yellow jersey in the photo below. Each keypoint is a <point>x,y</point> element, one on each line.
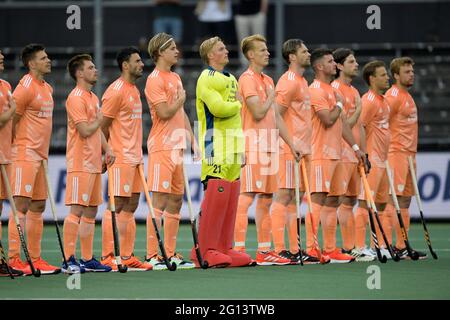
<point>222,144</point>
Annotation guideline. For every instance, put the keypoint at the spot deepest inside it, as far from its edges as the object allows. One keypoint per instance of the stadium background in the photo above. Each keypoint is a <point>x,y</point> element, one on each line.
<point>419,29</point>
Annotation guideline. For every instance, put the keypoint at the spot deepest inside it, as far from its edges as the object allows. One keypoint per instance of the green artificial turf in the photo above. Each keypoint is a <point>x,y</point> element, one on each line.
<point>426,279</point>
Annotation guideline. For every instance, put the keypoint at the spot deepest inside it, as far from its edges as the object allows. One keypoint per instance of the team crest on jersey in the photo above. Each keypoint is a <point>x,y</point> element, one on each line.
<point>261,88</point>
<point>84,197</point>
<point>400,187</point>
<point>126,188</point>
<point>131,99</point>
<point>327,184</point>
<point>28,188</point>
<point>166,184</point>
<point>258,184</point>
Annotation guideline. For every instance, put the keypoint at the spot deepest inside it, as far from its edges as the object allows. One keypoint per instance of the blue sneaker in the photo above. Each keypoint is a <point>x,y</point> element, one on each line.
<point>73,266</point>
<point>94,266</point>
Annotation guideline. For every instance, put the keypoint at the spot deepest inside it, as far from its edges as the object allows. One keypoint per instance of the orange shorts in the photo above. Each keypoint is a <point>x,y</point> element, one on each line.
<point>399,165</point>
<point>348,173</point>
<point>84,189</point>
<point>379,185</point>
<point>126,179</point>
<point>286,176</point>
<point>165,172</point>
<point>324,177</point>
<point>28,180</point>
<point>3,193</point>
<point>260,172</point>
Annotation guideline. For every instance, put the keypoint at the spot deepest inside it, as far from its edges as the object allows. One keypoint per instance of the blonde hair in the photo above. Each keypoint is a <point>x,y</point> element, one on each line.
<point>158,43</point>
<point>206,48</point>
<point>247,43</point>
<point>397,63</point>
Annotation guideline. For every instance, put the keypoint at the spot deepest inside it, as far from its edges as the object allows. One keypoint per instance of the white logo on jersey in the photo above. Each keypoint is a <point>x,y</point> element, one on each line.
<point>28,188</point>
<point>261,88</point>
<point>258,184</point>
<point>131,99</point>
<point>126,188</point>
<point>85,197</point>
<point>39,97</point>
<point>166,184</point>
<point>401,187</point>
<point>327,184</point>
<point>170,85</point>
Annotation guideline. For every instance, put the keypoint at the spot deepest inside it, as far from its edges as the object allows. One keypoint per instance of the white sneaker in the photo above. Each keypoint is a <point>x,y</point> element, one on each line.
<point>157,263</point>
<point>368,252</point>
<point>181,263</point>
<point>385,252</point>
<point>360,256</point>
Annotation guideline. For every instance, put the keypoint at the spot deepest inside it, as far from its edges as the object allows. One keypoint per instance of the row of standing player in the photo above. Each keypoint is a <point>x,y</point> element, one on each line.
<point>166,98</point>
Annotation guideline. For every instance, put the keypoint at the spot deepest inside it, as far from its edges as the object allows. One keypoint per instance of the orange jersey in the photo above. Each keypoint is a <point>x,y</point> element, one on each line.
<point>83,154</point>
<point>349,94</point>
<point>35,106</point>
<point>292,93</point>
<point>260,135</point>
<point>168,134</point>
<point>375,119</point>
<point>326,142</point>
<point>122,102</point>
<point>6,130</point>
<point>402,121</point>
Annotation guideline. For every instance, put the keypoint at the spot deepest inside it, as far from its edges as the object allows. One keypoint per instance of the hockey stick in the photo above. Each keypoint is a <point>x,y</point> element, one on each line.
<point>297,206</point>
<point>112,204</point>
<point>368,193</point>
<point>203,264</point>
<point>419,204</point>
<point>411,253</point>
<point>53,207</point>
<point>173,266</point>
<point>35,272</point>
<point>309,201</point>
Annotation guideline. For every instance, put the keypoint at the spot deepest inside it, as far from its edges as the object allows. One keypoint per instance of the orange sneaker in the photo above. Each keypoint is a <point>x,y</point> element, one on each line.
<point>337,256</point>
<point>45,267</point>
<point>270,258</point>
<point>17,264</point>
<point>134,264</point>
<point>110,261</point>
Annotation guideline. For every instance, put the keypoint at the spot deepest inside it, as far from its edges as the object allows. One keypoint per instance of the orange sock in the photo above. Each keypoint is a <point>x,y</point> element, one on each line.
<point>35,228</point>
<point>152,241</point>
<point>87,229</point>
<point>361,221</point>
<point>328,218</point>
<point>347,223</point>
<point>13,235</point>
<point>278,216</point>
<point>127,232</point>
<point>70,234</point>
<point>386,221</point>
<point>309,231</point>
<point>171,225</point>
<point>107,234</point>
<point>406,221</point>
<point>292,227</point>
<point>263,223</point>
<point>240,227</point>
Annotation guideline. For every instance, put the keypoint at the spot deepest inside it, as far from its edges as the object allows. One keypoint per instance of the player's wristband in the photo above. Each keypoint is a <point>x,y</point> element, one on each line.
<point>339,105</point>
<point>355,147</point>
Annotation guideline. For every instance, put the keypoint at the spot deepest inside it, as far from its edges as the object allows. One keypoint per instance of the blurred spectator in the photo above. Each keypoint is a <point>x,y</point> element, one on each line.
<point>250,19</point>
<point>168,18</point>
<point>215,17</point>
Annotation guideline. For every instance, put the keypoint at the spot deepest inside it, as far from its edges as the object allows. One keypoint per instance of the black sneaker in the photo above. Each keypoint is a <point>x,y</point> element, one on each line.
<point>307,259</point>
<point>5,273</point>
<point>403,253</point>
<point>288,255</point>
